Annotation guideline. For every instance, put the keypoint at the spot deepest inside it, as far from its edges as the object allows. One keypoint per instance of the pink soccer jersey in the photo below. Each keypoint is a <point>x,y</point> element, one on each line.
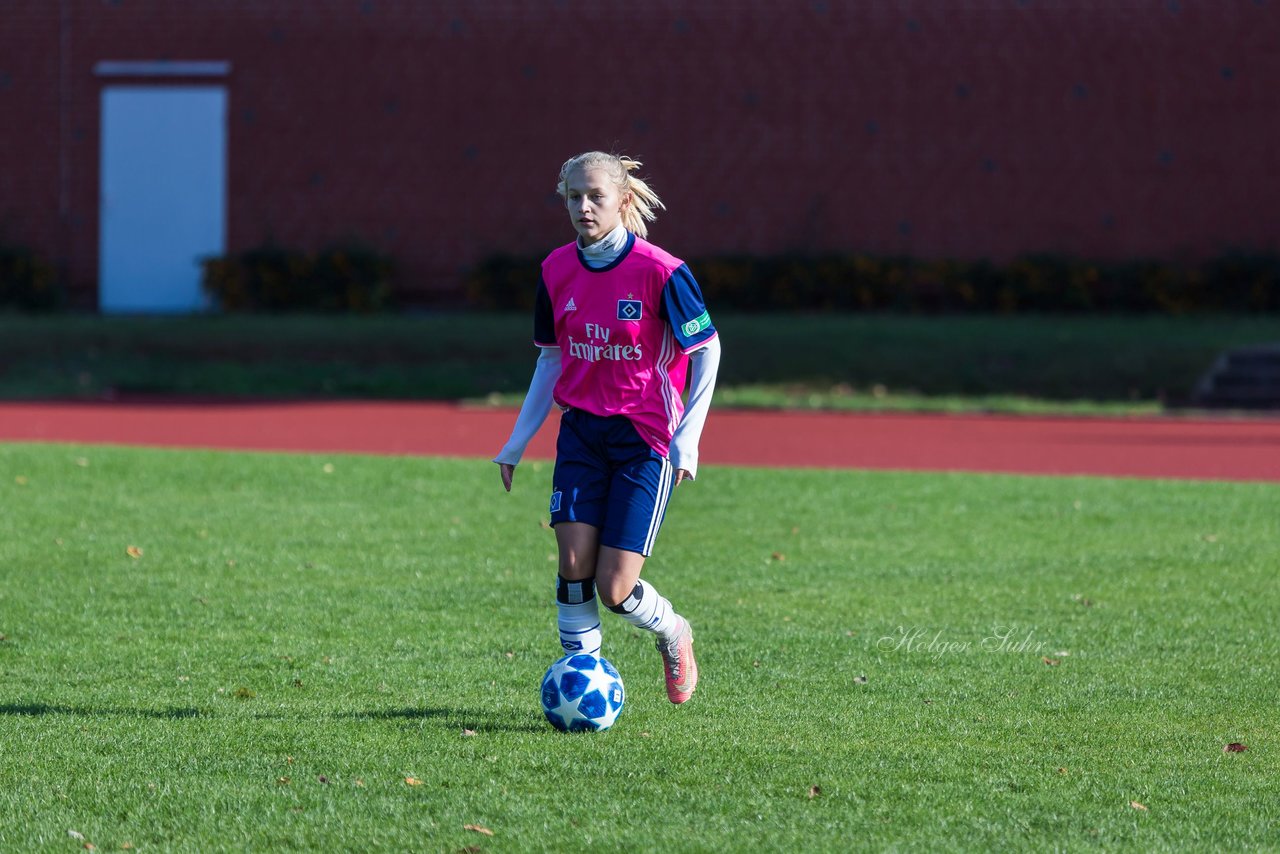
<point>624,333</point>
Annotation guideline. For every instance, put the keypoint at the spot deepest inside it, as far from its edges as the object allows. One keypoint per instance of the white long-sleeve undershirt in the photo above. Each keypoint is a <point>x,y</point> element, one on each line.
<point>704,365</point>
<point>536,406</point>
<point>606,250</point>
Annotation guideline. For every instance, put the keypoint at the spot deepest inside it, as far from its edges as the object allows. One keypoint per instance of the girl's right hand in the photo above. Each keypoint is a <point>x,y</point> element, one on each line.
<point>508,471</point>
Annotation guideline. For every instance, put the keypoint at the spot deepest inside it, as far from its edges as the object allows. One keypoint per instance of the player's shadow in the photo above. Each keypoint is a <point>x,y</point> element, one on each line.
<point>42,709</point>
<point>452,719</point>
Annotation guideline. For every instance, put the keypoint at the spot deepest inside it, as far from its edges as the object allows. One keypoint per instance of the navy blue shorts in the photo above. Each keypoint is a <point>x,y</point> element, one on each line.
<point>609,478</point>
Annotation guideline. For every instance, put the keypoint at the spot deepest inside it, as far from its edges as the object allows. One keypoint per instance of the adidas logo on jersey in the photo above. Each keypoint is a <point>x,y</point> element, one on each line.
<point>569,306</point>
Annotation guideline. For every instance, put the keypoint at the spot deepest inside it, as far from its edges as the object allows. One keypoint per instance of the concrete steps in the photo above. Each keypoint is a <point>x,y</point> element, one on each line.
<point>1248,378</point>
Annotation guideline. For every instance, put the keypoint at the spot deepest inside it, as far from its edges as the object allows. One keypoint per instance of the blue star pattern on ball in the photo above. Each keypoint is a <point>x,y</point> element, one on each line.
<point>582,693</point>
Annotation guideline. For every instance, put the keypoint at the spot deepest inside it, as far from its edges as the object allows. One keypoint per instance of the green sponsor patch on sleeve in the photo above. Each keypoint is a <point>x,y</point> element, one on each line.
<point>693,327</point>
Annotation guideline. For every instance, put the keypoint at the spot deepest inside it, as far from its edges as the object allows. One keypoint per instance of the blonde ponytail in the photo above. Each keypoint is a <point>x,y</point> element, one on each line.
<point>640,201</point>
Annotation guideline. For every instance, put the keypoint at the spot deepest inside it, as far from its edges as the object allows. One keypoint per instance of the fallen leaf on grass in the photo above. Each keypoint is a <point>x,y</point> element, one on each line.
<point>478,828</point>
<point>126,846</point>
<point>1138,806</point>
<point>359,783</point>
<point>778,556</point>
<point>1235,747</point>
<point>76,835</point>
<point>20,480</point>
<point>244,694</point>
<point>413,781</point>
<point>89,846</point>
<point>323,779</point>
<point>282,781</point>
<point>133,552</point>
<point>814,791</point>
<point>1062,770</point>
<point>468,733</point>
<point>860,679</point>
<point>1052,662</point>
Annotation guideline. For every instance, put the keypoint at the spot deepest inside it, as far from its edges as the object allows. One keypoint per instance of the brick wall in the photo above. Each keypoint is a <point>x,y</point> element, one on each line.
<point>973,128</point>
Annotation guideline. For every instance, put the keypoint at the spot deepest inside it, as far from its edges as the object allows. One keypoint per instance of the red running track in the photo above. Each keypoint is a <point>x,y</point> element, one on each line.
<point>1226,449</point>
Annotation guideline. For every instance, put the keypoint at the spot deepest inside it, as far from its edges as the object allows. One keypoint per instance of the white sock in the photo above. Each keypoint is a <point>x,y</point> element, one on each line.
<point>579,615</point>
<point>647,609</point>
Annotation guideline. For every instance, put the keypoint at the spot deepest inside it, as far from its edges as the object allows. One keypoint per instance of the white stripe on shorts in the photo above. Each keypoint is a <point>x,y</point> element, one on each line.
<point>659,506</point>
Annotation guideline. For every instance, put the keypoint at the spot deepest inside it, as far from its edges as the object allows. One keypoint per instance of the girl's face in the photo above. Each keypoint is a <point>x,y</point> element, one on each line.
<point>595,203</point>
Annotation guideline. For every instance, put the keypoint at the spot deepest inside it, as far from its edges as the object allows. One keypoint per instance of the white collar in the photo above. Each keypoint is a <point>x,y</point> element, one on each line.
<point>607,249</point>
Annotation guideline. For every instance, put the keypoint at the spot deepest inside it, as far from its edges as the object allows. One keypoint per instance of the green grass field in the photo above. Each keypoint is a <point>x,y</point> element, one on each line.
<point>302,635</point>
<point>1037,363</point>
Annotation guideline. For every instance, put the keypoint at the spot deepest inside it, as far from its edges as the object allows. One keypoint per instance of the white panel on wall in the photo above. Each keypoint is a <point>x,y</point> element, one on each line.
<point>163,195</point>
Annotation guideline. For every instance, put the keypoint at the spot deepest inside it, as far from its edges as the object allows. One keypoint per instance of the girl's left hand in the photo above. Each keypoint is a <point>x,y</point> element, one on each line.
<point>681,474</point>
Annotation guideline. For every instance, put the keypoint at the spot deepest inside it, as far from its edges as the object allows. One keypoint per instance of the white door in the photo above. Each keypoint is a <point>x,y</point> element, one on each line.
<point>163,195</point>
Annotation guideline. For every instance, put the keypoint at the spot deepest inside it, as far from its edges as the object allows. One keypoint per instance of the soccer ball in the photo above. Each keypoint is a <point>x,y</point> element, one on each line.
<point>582,693</point>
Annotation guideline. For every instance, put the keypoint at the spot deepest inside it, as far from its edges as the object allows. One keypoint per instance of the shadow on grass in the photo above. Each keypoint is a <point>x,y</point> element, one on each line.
<point>455,719</point>
<point>39,709</point>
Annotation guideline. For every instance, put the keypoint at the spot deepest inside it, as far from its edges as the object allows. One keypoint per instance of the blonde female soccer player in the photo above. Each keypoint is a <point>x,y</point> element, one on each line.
<point>619,322</point>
